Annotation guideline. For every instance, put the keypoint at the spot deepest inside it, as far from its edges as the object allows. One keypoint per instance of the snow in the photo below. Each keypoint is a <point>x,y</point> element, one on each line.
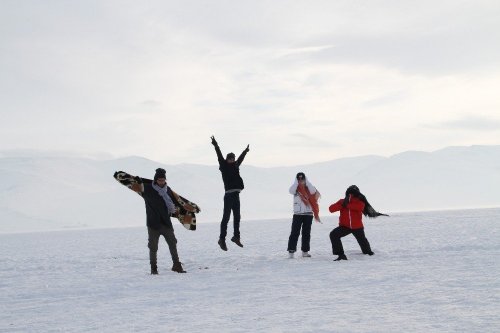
<point>432,271</point>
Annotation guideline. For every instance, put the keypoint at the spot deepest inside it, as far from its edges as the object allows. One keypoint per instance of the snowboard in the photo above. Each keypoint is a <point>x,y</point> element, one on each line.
<point>186,210</point>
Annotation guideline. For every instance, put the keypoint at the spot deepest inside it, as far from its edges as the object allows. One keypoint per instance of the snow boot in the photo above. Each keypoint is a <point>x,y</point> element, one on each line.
<point>236,240</point>
<point>306,254</point>
<point>370,253</point>
<point>154,270</point>
<point>177,267</point>
<point>341,257</point>
<point>290,255</point>
<point>222,244</point>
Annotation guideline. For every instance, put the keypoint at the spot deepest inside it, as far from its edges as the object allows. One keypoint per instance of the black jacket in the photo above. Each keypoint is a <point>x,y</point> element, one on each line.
<point>156,209</point>
<point>231,171</point>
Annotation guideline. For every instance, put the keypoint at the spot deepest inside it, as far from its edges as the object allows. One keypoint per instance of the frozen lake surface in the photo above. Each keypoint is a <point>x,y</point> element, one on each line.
<point>431,272</point>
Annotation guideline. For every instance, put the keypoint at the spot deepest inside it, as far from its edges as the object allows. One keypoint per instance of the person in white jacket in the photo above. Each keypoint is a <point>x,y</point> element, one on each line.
<point>303,211</point>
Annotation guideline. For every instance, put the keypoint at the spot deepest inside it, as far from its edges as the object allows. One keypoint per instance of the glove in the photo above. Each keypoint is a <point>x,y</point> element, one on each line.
<point>138,179</point>
<point>248,148</point>
<point>214,142</point>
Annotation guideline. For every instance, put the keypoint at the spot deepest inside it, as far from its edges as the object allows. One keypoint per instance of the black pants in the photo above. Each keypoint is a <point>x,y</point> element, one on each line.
<point>298,222</point>
<point>231,203</point>
<point>340,232</point>
<point>153,239</point>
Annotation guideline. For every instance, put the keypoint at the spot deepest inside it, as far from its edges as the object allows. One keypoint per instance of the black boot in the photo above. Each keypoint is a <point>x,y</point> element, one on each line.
<point>341,257</point>
<point>177,267</point>
<point>154,269</point>
<point>222,244</point>
<point>236,240</point>
<point>370,253</point>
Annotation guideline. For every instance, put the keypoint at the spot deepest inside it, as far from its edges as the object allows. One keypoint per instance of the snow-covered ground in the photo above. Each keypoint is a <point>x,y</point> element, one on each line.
<point>432,272</point>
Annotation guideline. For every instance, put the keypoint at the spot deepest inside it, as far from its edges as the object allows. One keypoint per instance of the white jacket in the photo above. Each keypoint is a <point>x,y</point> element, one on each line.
<point>299,207</point>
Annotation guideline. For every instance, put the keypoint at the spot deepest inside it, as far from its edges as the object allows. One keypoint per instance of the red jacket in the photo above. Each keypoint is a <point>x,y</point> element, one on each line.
<point>350,216</point>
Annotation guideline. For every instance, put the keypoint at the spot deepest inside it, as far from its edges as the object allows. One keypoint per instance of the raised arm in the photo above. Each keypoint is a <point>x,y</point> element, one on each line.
<point>217,150</point>
<point>293,188</point>
<point>336,206</point>
<point>243,154</point>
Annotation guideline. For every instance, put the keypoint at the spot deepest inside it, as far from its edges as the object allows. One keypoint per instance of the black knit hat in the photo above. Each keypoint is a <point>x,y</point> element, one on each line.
<point>230,155</point>
<point>300,175</point>
<point>160,173</point>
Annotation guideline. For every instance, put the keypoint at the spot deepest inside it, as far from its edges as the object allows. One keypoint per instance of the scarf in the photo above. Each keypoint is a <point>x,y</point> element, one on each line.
<point>309,199</point>
<point>186,210</point>
<point>163,192</point>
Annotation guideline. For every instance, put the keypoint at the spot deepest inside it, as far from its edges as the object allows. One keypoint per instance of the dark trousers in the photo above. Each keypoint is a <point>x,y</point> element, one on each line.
<point>298,222</point>
<point>153,239</point>
<point>231,203</point>
<point>340,232</point>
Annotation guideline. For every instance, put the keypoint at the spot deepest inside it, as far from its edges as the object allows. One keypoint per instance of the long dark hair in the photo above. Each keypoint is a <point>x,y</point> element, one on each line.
<point>368,210</point>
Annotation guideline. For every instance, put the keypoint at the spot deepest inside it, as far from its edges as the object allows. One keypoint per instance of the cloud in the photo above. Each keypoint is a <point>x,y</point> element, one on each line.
<point>420,41</point>
<point>302,50</point>
<point>430,53</point>
<point>286,77</point>
<point>469,123</point>
<point>151,103</point>
<point>385,99</point>
<point>304,140</point>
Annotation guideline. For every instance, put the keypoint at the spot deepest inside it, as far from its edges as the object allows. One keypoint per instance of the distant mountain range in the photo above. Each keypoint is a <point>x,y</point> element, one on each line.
<point>43,191</point>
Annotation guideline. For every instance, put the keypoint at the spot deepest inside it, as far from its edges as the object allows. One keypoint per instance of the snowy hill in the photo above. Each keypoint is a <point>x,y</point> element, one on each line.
<point>46,192</point>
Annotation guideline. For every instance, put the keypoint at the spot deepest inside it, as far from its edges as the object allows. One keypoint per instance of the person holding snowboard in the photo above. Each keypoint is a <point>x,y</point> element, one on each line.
<point>305,207</point>
<point>351,208</point>
<point>233,185</point>
<point>159,208</point>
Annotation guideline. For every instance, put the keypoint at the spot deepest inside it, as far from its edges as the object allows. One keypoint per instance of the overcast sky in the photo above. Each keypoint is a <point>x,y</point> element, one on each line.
<point>300,81</point>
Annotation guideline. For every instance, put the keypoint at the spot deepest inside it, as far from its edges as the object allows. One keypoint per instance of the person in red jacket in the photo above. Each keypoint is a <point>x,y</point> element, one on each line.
<point>351,208</point>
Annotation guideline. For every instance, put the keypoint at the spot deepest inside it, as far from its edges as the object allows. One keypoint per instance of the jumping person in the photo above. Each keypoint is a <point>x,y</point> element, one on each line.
<point>305,207</point>
<point>233,185</point>
<point>159,207</point>
<point>352,208</point>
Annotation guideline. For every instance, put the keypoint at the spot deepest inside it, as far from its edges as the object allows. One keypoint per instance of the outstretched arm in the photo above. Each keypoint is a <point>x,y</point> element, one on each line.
<point>139,186</point>
<point>243,154</point>
<point>217,150</point>
<point>133,183</point>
